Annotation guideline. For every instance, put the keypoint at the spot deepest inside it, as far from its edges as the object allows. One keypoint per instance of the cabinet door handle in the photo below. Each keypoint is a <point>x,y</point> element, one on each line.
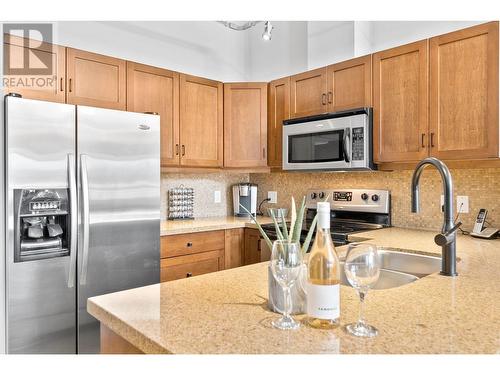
<point>177,149</point>
<point>423,140</point>
<point>61,87</point>
<point>323,99</point>
<point>189,274</point>
<point>189,244</point>
<point>183,150</point>
<point>432,139</point>
<point>263,152</point>
<point>70,85</point>
<point>330,97</point>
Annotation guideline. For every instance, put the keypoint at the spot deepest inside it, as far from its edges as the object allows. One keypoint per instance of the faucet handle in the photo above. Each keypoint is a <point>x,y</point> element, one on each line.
<point>445,238</point>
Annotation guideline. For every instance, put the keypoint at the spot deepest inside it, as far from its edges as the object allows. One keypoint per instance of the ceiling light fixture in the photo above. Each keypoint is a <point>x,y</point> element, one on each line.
<point>266,35</point>
<point>268,28</point>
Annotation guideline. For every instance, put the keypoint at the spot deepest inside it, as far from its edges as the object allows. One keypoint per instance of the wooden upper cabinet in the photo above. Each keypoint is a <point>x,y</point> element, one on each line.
<point>201,122</point>
<point>95,80</point>
<point>464,93</point>
<point>245,124</point>
<point>308,93</point>
<point>20,52</point>
<point>400,103</point>
<point>278,110</point>
<point>151,89</point>
<point>350,84</point>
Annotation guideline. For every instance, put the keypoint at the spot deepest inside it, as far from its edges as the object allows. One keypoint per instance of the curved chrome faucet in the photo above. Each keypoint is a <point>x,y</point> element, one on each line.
<point>447,238</point>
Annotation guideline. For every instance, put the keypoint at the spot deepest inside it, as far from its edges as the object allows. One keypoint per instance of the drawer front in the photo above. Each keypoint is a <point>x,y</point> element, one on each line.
<point>191,243</point>
<point>191,265</point>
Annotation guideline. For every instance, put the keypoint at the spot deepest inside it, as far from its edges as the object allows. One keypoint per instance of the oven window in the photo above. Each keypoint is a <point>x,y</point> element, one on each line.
<point>316,147</point>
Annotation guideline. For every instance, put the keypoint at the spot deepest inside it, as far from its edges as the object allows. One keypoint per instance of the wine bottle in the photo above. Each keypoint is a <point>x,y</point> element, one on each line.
<point>323,276</point>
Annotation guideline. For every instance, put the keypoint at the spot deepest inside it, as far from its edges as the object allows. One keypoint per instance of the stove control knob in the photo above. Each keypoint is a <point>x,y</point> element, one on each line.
<point>375,197</point>
<point>314,195</point>
<point>364,196</point>
<point>321,195</point>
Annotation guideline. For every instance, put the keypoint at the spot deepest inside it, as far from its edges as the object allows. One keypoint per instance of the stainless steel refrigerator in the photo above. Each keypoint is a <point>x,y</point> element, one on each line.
<point>82,198</point>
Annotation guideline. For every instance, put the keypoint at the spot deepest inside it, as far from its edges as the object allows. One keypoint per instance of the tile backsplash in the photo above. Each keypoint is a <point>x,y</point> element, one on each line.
<point>204,187</point>
<point>482,186</point>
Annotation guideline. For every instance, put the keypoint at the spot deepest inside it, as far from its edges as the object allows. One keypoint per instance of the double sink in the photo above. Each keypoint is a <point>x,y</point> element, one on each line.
<point>400,268</point>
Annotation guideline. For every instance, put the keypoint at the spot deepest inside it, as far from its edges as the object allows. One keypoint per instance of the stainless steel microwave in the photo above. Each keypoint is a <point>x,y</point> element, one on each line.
<point>337,141</point>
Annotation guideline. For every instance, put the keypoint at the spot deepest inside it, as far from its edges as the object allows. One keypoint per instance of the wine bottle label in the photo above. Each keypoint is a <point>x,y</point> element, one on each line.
<point>323,301</point>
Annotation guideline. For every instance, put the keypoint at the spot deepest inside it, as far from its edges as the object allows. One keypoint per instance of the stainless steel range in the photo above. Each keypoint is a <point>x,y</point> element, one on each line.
<point>352,211</point>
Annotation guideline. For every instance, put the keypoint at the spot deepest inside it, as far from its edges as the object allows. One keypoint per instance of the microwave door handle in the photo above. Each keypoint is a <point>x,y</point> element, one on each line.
<point>347,141</point>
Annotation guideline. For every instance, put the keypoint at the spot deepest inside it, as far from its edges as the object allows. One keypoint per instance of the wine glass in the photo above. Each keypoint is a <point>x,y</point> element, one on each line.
<point>362,269</point>
<point>286,265</point>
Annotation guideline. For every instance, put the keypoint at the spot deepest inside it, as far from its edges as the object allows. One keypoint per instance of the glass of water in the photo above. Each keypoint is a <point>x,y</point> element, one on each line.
<point>362,269</point>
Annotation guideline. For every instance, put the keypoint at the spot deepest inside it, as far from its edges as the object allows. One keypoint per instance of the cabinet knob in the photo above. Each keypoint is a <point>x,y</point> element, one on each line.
<point>432,139</point>
<point>423,140</point>
<point>330,97</point>
<point>323,99</point>
<point>189,244</point>
<point>177,149</point>
<point>189,274</point>
<point>183,150</point>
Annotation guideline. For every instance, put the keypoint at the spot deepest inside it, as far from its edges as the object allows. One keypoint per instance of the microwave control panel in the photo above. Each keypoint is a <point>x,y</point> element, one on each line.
<point>358,143</point>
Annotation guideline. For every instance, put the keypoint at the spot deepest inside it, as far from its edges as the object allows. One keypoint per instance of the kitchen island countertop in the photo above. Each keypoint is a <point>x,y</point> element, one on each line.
<point>226,312</point>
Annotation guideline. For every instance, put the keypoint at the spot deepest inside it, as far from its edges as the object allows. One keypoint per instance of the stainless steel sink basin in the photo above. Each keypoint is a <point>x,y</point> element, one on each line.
<point>399,268</point>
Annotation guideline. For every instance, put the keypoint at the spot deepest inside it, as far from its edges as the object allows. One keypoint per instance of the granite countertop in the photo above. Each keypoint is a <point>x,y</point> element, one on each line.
<point>225,312</point>
<point>171,227</point>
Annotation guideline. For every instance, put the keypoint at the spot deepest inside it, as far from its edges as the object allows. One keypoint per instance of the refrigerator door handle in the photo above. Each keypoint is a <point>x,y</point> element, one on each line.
<point>73,219</point>
<point>85,218</point>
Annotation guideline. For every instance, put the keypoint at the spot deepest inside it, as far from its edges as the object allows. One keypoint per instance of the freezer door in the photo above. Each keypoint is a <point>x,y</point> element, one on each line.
<point>40,147</point>
<point>119,220</point>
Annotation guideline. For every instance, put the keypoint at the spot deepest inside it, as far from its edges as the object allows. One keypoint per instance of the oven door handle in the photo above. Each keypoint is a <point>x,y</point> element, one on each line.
<point>347,142</point>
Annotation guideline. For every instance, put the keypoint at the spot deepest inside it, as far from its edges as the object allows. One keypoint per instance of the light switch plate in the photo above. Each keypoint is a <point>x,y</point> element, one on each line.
<point>273,196</point>
<point>462,204</point>
<point>217,196</point>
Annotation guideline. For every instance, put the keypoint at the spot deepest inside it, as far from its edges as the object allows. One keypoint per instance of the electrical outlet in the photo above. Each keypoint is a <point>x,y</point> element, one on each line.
<point>442,203</point>
<point>272,196</point>
<point>217,196</point>
<point>462,204</point>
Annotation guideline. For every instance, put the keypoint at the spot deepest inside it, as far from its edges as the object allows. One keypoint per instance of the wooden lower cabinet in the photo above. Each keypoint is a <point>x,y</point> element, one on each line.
<point>191,265</point>
<point>191,243</point>
<point>234,248</point>
<point>252,246</point>
<point>111,343</point>
<point>191,254</point>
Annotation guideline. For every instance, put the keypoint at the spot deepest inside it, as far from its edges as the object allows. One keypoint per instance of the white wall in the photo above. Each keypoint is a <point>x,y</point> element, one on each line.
<point>329,42</point>
<point>284,55</point>
<point>388,34</point>
<point>202,48</point>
